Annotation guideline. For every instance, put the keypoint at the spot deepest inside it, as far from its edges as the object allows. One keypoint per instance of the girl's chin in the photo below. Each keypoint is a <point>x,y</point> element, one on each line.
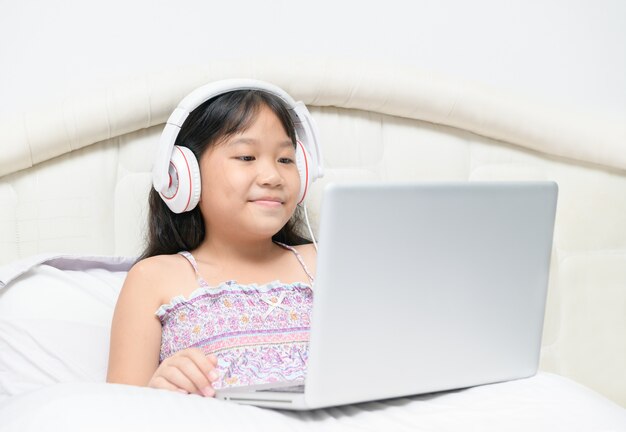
<point>263,230</point>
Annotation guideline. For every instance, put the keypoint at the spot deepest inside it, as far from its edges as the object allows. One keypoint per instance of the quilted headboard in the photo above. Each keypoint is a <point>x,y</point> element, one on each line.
<point>75,175</point>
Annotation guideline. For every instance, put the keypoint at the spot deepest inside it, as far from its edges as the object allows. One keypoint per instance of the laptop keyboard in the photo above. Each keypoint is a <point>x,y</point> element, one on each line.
<point>298,388</point>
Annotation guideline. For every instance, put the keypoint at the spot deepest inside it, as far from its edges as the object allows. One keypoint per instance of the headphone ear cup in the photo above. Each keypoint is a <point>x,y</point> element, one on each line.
<point>303,160</point>
<point>183,193</point>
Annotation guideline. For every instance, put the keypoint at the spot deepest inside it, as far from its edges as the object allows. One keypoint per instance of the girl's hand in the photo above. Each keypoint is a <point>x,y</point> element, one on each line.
<point>187,371</point>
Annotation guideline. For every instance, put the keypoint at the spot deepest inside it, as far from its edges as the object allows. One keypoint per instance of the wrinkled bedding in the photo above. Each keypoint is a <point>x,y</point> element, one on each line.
<point>543,403</point>
<point>55,314</point>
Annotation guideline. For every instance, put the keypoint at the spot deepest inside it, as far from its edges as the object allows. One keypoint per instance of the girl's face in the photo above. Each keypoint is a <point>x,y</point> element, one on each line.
<point>250,181</point>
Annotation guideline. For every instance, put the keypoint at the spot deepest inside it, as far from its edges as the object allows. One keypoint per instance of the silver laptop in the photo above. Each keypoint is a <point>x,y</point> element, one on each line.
<point>422,287</point>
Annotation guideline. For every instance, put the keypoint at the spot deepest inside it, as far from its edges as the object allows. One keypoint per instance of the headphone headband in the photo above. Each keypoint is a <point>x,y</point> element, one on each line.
<point>306,129</point>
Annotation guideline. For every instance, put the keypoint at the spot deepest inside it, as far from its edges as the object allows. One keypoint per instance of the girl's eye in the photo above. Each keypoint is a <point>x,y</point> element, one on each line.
<point>246,158</point>
<point>286,160</point>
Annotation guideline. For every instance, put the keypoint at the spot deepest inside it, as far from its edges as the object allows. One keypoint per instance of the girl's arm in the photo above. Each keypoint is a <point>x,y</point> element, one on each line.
<point>136,339</point>
<point>136,330</point>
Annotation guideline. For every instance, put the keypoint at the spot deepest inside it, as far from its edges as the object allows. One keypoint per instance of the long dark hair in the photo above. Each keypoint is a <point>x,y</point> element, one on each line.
<point>214,120</point>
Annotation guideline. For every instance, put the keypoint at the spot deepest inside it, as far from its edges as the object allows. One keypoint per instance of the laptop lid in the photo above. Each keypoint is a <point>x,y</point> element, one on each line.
<point>427,287</point>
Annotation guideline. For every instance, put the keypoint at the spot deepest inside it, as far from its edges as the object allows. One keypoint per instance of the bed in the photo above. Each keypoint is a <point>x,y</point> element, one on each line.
<point>74,177</point>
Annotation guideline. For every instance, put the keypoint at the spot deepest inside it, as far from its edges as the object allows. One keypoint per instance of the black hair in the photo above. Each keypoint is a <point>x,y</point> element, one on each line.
<point>211,122</point>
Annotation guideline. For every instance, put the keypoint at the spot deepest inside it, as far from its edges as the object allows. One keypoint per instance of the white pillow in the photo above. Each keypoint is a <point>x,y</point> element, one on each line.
<point>55,318</point>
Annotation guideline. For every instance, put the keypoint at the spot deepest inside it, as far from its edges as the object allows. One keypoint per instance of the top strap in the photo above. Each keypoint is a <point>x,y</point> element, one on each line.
<point>304,267</point>
<point>194,264</point>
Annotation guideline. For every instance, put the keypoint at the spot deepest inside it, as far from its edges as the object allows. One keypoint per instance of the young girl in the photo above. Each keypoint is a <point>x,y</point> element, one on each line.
<point>223,292</point>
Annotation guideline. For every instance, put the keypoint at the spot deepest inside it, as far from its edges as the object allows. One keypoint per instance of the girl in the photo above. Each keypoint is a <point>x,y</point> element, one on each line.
<point>231,278</point>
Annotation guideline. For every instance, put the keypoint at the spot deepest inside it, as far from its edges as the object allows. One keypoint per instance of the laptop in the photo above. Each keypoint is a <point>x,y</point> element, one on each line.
<point>421,288</point>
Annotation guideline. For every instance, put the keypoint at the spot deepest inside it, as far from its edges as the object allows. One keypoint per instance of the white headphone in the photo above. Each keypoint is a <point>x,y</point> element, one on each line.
<point>176,174</point>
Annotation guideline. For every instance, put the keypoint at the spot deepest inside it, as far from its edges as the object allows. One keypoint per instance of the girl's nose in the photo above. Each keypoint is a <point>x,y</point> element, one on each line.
<point>269,175</point>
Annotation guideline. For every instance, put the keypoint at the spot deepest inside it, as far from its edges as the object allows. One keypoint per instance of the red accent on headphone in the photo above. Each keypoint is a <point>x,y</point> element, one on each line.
<point>170,185</point>
<point>190,185</point>
<point>306,170</point>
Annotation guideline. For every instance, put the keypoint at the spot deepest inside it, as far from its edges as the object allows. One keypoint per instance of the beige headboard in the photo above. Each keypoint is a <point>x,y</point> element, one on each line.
<point>75,175</point>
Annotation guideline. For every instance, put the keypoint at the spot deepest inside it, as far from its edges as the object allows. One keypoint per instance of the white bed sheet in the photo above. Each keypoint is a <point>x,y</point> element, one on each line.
<point>545,402</point>
<point>55,315</point>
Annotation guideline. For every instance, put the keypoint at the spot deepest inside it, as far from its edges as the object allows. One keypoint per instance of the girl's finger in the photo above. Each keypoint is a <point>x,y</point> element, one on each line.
<point>178,378</point>
<point>213,359</point>
<point>198,376</point>
<point>160,382</point>
<point>205,364</point>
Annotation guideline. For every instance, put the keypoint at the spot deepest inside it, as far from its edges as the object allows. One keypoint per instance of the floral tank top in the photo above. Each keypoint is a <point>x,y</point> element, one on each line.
<point>259,333</point>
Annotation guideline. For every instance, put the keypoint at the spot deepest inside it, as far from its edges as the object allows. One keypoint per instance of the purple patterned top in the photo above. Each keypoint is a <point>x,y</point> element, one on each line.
<point>259,333</point>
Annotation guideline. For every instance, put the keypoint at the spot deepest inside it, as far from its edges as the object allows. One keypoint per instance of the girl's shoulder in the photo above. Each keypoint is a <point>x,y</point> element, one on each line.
<point>155,267</point>
<point>156,276</point>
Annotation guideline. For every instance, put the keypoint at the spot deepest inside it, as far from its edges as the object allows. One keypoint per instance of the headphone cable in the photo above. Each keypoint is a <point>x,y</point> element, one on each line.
<point>306,217</point>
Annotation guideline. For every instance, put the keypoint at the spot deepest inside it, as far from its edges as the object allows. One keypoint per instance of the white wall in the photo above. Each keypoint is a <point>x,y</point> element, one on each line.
<point>573,52</point>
